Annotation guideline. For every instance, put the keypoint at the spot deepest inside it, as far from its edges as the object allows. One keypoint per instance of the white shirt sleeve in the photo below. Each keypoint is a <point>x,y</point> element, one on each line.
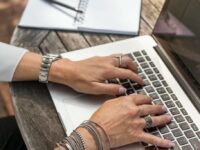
<point>10,56</point>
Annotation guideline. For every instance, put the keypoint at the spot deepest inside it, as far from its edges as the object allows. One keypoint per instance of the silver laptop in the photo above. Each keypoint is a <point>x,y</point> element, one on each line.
<point>169,63</point>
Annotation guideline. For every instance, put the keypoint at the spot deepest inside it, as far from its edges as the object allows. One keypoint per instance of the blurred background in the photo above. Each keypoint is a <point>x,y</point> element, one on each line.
<point>10,13</point>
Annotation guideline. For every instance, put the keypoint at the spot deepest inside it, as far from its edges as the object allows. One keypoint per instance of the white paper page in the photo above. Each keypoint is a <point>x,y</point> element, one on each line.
<point>41,14</point>
<point>118,16</point>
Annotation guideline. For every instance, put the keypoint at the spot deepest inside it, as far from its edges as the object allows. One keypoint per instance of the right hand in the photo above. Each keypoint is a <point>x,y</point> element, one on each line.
<point>122,119</point>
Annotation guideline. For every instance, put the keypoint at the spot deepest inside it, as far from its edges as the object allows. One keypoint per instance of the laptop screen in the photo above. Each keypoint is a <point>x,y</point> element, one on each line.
<point>178,30</point>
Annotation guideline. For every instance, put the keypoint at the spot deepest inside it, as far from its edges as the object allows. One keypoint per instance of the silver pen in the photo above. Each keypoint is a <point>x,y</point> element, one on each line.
<point>64,5</point>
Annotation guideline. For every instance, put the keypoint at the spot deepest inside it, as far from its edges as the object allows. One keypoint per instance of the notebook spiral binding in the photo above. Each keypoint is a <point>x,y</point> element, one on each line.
<point>80,17</point>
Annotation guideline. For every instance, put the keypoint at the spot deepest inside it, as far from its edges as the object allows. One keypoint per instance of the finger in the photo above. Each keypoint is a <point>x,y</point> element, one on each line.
<point>128,63</point>
<point>152,110</point>
<point>127,74</point>
<point>110,89</point>
<point>149,138</point>
<point>140,99</point>
<point>157,120</point>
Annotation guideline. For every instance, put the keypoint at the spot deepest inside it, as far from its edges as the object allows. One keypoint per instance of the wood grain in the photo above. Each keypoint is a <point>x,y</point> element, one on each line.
<point>35,111</point>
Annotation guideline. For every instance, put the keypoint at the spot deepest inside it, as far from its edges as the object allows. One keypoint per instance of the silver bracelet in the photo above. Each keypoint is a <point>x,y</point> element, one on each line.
<point>47,60</point>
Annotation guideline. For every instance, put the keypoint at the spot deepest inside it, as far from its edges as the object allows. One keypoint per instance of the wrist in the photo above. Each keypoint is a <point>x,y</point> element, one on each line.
<point>60,71</point>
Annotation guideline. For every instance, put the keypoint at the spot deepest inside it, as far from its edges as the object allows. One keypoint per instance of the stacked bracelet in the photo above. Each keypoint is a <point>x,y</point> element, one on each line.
<point>76,142</point>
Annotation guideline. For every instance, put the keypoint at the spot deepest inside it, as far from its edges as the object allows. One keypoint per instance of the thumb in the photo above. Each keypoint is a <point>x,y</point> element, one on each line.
<point>110,89</point>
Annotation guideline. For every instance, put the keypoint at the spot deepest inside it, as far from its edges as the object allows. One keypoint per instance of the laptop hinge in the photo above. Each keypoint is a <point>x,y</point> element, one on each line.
<point>178,75</point>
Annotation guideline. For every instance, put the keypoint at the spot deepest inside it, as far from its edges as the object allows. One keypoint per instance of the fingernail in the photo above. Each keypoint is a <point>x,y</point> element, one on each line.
<point>171,144</point>
<point>122,90</point>
<point>169,117</point>
<point>164,108</point>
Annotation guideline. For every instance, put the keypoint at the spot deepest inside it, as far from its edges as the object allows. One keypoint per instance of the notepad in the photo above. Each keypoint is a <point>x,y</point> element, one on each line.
<point>101,16</point>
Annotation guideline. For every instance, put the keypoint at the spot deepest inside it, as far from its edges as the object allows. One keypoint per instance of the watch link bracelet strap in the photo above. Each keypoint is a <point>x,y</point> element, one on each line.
<point>47,60</point>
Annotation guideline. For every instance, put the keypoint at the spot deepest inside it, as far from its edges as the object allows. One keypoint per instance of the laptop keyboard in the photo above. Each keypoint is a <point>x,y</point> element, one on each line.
<point>182,130</point>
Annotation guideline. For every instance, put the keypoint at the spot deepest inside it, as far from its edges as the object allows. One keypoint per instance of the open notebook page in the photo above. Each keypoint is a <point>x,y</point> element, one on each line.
<point>41,14</point>
<point>118,16</point>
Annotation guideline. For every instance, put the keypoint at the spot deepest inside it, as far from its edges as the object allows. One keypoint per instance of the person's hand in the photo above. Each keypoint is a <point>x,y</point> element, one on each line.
<point>122,119</point>
<point>89,76</point>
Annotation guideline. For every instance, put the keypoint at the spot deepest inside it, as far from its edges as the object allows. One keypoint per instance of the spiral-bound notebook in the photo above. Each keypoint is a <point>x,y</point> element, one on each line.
<point>105,16</point>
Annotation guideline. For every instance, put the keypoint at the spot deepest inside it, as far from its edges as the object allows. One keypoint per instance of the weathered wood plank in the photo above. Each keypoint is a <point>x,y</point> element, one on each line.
<point>52,44</point>
<point>73,40</point>
<point>96,39</point>
<point>145,29</point>
<point>36,115</point>
<point>28,37</point>
<point>158,3</point>
<point>149,13</point>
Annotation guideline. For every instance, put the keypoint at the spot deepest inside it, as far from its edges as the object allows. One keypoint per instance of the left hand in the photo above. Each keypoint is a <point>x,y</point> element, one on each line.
<point>89,75</point>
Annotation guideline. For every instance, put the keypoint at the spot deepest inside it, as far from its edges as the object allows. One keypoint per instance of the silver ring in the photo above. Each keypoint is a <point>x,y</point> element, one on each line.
<point>149,121</point>
<point>119,59</point>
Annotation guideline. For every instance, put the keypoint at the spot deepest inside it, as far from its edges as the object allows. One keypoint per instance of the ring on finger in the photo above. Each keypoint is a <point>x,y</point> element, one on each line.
<point>149,121</point>
<point>119,60</point>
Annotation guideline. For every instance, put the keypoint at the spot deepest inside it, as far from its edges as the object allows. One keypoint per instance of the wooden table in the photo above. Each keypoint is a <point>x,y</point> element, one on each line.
<point>35,112</point>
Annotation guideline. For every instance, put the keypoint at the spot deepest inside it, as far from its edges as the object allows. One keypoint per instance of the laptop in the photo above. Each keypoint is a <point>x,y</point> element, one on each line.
<point>169,63</point>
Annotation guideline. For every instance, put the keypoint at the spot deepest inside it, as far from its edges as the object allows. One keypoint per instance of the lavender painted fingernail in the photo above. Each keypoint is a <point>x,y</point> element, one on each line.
<point>164,108</point>
<point>171,144</point>
<point>169,117</point>
<point>122,90</point>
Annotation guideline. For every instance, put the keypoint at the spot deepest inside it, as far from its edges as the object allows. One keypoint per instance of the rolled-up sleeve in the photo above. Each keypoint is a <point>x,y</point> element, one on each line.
<point>10,56</point>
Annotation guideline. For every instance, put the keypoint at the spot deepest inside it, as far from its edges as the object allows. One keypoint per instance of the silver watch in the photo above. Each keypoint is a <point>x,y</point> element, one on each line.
<point>47,60</point>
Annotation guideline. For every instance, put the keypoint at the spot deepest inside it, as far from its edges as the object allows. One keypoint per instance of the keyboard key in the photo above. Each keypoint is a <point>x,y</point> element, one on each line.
<point>172,125</point>
<point>164,129</point>
<point>177,132</point>
<point>174,111</point>
<point>144,65</point>
<point>144,52</point>
<point>129,55</point>
<point>157,84</point>
<point>152,77</point>
<point>154,96</point>
<point>174,97</point>
<point>137,54</point>
<point>164,83</point>
<point>165,97</point>
<point>198,134</point>
<point>178,103</point>
<point>137,86</point>
<point>194,127</point>
<point>140,59</point>
<point>156,70</point>
<point>179,118</point>
<point>168,136</point>
<point>182,140</point>
<point>195,143</point>
<point>184,126</point>
<point>153,129</point>
<point>160,77</point>
<point>130,91</point>
<point>146,82</point>
<point>127,85</point>
<point>189,119</point>
<point>123,80</point>
<point>187,147</point>
<point>142,76</point>
<point>148,71</point>
<point>176,147</point>
<point>148,58</point>
<point>169,90</point>
<point>158,102</point>
<point>170,104</point>
<point>113,81</point>
<point>189,134</point>
<point>184,112</point>
<point>149,89</point>
<point>157,134</point>
<point>161,90</point>
<point>152,64</point>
